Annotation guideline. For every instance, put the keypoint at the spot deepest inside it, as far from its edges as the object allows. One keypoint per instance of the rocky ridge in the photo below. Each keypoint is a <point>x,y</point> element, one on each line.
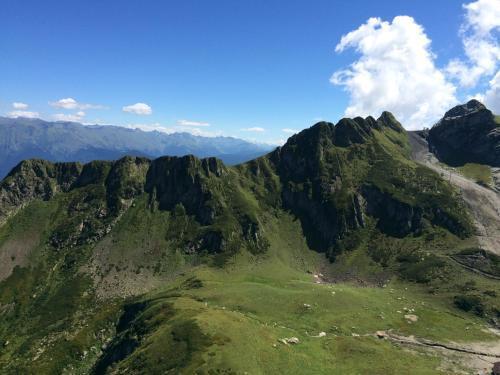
<point>467,133</point>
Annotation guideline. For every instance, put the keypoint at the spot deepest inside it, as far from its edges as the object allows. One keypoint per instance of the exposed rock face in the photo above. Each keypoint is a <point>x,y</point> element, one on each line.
<point>35,179</point>
<point>310,175</point>
<point>332,177</point>
<point>467,133</point>
<point>186,180</point>
<point>125,181</point>
<point>323,187</point>
<point>394,217</point>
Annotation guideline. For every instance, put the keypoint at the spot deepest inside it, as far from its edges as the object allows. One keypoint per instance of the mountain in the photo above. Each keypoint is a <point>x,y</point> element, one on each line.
<point>23,138</point>
<point>467,133</point>
<point>333,254</point>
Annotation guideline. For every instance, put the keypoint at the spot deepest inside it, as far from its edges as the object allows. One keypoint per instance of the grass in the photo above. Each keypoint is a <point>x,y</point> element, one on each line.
<point>231,319</point>
<point>477,172</point>
<point>134,290</point>
<point>242,311</point>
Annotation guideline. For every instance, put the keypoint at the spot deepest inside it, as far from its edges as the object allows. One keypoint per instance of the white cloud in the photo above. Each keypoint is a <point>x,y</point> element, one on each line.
<point>479,34</point>
<point>192,123</point>
<point>151,127</point>
<point>256,129</point>
<point>273,142</point>
<point>138,109</point>
<point>395,72</point>
<point>200,132</point>
<point>492,96</point>
<point>27,114</point>
<point>175,129</point>
<point>70,103</point>
<point>71,117</point>
<point>289,131</point>
<point>19,106</point>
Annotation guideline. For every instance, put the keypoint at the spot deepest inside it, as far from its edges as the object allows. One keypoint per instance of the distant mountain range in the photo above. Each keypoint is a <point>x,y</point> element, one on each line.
<point>23,138</point>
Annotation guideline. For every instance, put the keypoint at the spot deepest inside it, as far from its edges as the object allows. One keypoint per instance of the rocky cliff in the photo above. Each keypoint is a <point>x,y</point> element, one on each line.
<point>334,178</point>
<point>467,133</point>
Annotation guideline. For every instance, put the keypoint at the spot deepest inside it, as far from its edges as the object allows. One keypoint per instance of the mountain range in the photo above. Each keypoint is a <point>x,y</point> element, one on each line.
<point>23,138</point>
<point>347,250</point>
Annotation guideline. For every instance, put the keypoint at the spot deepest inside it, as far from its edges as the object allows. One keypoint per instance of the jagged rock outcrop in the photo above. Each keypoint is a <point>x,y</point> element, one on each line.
<point>467,133</point>
<point>189,181</point>
<point>311,177</point>
<point>395,218</point>
<point>35,179</point>
<point>125,181</point>
<point>333,178</point>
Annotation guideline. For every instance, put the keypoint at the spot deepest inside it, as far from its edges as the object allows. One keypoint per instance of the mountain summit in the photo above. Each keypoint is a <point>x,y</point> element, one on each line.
<point>467,133</point>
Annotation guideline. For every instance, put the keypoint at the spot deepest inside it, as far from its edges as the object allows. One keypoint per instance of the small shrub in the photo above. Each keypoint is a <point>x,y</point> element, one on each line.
<point>421,270</point>
<point>469,304</point>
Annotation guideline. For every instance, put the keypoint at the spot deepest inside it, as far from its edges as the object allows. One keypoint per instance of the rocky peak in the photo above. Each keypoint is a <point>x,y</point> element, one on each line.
<point>387,119</point>
<point>472,106</point>
<point>467,133</point>
<point>351,131</point>
<point>35,179</point>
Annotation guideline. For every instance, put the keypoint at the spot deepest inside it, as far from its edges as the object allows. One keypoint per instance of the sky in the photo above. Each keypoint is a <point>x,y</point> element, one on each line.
<point>254,69</point>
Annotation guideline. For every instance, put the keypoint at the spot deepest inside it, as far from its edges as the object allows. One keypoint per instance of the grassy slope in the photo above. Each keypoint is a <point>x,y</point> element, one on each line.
<point>477,172</point>
<point>239,314</point>
<point>246,308</point>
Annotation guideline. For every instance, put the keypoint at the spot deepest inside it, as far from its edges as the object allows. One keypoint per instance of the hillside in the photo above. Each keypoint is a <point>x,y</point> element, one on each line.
<point>22,138</point>
<point>336,253</point>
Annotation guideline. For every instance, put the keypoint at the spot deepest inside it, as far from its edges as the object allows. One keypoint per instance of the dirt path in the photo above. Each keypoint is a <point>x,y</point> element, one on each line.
<point>492,352</point>
<point>476,357</point>
<point>475,270</point>
<point>483,203</point>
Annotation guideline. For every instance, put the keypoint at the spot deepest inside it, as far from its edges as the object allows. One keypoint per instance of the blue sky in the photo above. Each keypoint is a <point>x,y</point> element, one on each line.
<point>243,68</point>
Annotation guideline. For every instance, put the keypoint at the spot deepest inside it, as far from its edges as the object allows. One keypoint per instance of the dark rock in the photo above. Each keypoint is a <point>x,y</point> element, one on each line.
<point>186,180</point>
<point>35,179</point>
<point>394,217</point>
<point>387,119</point>
<point>467,133</point>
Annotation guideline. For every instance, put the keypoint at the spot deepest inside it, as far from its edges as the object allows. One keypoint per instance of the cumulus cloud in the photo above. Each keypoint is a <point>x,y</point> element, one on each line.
<point>256,129</point>
<point>395,72</point>
<point>289,131</point>
<point>492,96</point>
<point>175,129</point>
<point>479,34</point>
<point>71,117</point>
<point>138,109</point>
<point>19,106</point>
<point>70,103</point>
<point>151,128</point>
<point>27,114</point>
<point>201,132</point>
<point>192,123</point>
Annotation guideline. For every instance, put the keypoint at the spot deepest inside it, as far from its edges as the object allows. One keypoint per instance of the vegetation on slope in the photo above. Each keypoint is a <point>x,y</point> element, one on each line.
<point>185,265</point>
<point>477,172</point>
